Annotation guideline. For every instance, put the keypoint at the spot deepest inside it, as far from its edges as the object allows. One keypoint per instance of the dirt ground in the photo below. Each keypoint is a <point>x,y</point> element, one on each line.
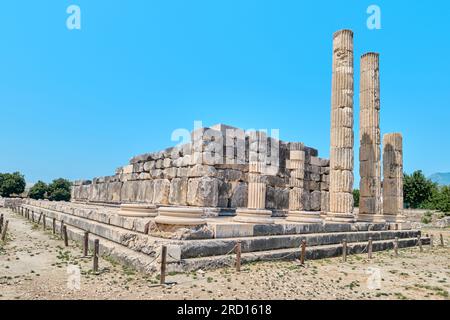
<point>35,265</point>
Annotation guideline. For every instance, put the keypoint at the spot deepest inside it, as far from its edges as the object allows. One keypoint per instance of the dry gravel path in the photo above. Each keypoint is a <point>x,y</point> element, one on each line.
<point>34,265</point>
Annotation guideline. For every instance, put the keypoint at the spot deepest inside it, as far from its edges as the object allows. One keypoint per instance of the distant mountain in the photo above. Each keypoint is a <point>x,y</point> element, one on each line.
<point>441,178</point>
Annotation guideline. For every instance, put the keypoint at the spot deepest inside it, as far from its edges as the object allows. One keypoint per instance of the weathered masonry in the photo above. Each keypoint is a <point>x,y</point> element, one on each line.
<point>213,172</point>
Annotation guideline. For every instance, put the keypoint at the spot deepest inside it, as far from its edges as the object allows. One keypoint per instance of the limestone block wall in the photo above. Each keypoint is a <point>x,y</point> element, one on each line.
<point>211,171</point>
<point>10,202</point>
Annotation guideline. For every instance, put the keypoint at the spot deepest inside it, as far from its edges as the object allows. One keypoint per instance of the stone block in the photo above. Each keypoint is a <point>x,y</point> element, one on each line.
<point>114,192</point>
<point>167,163</point>
<point>225,189</point>
<point>277,198</point>
<point>161,191</point>
<point>129,191</point>
<point>202,171</point>
<point>239,196</point>
<point>203,192</point>
<point>127,169</point>
<point>170,173</point>
<point>325,201</point>
<point>145,191</point>
<point>178,191</point>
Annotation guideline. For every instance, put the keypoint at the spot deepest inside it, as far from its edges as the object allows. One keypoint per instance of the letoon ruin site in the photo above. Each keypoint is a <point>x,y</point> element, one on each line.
<point>229,187</point>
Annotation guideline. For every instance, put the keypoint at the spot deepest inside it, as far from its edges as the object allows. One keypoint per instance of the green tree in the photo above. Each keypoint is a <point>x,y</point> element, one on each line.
<point>59,190</point>
<point>440,199</point>
<point>417,190</point>
<point>356,197</point>
<point>11,183</point>
<point>38,191</point>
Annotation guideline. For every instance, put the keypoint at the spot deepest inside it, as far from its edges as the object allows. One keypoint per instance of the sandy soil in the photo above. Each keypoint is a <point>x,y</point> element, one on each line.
<point>35,265</point>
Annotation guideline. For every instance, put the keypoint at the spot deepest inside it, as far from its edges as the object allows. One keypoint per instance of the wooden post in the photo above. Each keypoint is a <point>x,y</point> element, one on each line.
<point>442,240</point>
<point>396,246</point>
<point>344,250</point>
<point>303,253</point>
<point>96,254</point>
<point>162,276</point>
<point>432,241</point>
<point>61,228</point>
<point>66,240</point>
<point>54,225</point>
<point>32,216</point>
<point>419,239</point>
<point>370,248</point>
<point>40,217</point>
<point>5,228</point>
<point>86,244</point>
<point>1,222</point>
<point>238,255</point>
<point>44,223</point>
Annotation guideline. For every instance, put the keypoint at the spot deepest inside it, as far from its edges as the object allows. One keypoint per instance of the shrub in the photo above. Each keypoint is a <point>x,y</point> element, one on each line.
<point>59,190</point>
<point>38,191</point>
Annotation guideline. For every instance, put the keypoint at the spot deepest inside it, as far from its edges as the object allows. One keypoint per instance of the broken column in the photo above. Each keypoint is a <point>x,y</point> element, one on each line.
<point>296,166</point>
<point>341,153</point>
<point>256,209</point>
<point>370,206</point>
<point>393,178</point>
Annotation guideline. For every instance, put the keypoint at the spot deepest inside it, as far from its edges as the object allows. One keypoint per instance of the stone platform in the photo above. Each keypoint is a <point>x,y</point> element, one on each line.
<point>136,241</point>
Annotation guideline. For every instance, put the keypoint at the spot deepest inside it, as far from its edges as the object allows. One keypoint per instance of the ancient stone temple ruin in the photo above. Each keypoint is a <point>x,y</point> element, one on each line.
<point>229,186</point>
<point>223,171</point>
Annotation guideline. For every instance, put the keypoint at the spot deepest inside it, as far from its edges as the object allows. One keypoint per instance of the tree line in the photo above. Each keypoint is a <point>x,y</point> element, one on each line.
<point>13,184</point>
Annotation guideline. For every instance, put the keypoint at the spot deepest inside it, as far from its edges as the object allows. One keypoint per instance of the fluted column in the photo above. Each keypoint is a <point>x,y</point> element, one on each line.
<point>256,207</point>
<point>393,178</point>
<point>256,192</point>
<point>342,136</point>
<point>370,206</point>
<point>296,166</point>
<point>255,211</point>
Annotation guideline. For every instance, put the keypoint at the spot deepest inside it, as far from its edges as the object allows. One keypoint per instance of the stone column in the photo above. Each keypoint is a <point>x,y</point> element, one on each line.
<point>341,153</point>
<point>296,165</point>
<point>256,209</point>
<point>370,206</point>
<point>393,178</point>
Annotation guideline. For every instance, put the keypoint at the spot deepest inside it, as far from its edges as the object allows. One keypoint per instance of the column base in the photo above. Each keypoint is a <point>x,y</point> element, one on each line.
<point>340,217</point>
<point>138,210</point>
<point>397,222</point>
<point>367,217</point>
<point>304,217</point>
<point>182,216</point>
<point>256,216</point>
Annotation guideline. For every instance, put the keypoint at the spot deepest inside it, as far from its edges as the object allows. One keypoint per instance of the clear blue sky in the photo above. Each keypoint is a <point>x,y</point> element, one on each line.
<point>78,104</point>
